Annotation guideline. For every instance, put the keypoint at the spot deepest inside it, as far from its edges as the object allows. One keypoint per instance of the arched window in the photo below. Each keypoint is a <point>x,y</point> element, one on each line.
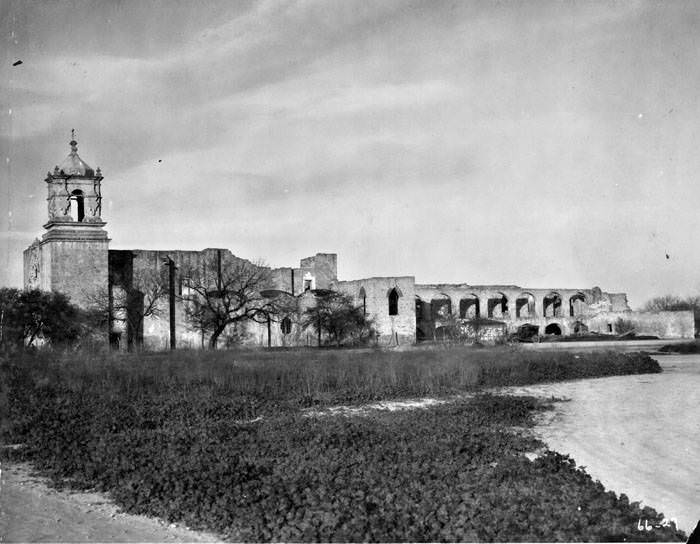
<point>577,304</point>
<point>286,325</point>
<point>77,200</point>
<point>393,302</point>
<point>469,307</point>
<point>363,298</point>
<point>525,306</point>
<point>497,306</point>
<point>552,305</point>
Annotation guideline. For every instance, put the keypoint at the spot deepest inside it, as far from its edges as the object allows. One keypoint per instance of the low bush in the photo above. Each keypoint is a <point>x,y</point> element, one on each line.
<point>685,347</point>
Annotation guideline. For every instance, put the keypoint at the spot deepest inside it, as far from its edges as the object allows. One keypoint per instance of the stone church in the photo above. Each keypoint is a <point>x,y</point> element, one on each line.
<point>73,257</point>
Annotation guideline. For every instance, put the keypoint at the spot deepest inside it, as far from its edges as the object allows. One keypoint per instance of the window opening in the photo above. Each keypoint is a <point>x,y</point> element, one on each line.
<point>393,302</point>
<point>286,325</point>
<point>77,205</point>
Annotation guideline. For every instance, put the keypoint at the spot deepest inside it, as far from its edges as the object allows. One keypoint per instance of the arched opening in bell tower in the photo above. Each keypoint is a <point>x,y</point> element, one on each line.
<point>77,205</point>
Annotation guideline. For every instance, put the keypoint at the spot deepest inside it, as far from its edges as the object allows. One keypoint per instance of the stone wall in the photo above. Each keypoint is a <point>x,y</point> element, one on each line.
<point>136,270</point>
<point>399,328</point>
<point>422,309</point>
<point>679,324</point>
<point>71,262</point>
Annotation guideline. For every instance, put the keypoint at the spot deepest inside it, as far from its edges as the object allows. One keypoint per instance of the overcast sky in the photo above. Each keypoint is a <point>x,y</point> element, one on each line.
<point>544,144</point>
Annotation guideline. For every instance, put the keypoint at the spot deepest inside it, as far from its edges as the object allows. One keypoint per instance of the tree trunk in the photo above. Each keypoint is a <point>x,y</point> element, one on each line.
<point>215,336</point>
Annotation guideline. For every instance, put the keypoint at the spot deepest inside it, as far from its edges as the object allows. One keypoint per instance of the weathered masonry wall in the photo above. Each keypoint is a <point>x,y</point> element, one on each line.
<point>679,324</point>
<point>317,272</point>
<point>554,311</point>
<point>133,273</point>
<point>373,295</point>
<point>71,261</point>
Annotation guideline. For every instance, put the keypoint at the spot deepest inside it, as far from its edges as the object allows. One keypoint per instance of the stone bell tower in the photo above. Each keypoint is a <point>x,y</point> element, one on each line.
<point>72,255</point>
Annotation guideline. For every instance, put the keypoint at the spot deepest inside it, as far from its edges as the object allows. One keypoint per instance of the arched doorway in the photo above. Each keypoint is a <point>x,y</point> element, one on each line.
<point>553,328</point>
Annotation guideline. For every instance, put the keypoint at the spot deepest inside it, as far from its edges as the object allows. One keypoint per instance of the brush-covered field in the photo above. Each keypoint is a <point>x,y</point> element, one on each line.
<point>225,441</point>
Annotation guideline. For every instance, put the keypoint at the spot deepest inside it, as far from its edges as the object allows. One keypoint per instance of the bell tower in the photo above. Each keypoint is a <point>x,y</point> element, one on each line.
<point>72,255</point>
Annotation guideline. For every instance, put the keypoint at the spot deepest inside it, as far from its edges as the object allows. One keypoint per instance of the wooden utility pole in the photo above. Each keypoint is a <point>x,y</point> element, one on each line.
<point>171,298</point>
<point>269,340</point>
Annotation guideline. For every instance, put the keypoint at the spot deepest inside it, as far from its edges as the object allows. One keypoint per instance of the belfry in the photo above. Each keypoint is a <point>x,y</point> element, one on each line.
<point>72,255</point>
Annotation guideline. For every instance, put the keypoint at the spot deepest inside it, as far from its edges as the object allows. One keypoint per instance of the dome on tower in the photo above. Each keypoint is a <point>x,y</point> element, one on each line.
<point>73,165</point>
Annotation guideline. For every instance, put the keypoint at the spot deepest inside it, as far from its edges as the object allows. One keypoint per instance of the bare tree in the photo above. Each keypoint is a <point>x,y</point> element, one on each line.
<point>132,304</point>
<point>219,294</point>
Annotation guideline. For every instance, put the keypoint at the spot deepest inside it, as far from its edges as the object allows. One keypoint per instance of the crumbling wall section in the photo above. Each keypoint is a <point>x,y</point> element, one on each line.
<point>392,329</point>
<point>679,324</point>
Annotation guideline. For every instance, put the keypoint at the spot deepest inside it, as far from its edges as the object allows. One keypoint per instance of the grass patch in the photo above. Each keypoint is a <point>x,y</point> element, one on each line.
<point>309,377</point>
<point>171,435</point>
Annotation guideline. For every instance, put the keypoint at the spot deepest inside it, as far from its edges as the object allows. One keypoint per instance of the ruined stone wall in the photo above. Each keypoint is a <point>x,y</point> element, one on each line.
<point>321,270</point>
<point>148,266</point>
<point>618,302</point>
<point>390,327</point>
<point>679,324</point>
<point>322,267</point>
<point>570,311</point>
<point>517,303</point>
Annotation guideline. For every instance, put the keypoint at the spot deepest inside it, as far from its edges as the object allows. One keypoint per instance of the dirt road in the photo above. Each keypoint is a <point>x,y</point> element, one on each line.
<point>30,511</point>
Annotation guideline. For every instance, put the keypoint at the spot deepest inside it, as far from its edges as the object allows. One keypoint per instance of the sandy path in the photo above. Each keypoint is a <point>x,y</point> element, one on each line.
<point>638,435</point>
<point>30,511</point>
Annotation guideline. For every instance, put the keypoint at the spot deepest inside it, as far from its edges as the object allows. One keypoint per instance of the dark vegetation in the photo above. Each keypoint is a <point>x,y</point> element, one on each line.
<point>336,316</point>
<point>685,347</point>
<point>175,435</point>
<point>32,317</point>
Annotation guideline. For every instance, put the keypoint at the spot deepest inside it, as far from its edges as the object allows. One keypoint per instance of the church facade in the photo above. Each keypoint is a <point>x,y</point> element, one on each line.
<point>73,257</point>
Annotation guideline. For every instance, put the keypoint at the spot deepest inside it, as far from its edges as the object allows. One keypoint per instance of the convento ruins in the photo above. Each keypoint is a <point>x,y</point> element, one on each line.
<point>73,257</point>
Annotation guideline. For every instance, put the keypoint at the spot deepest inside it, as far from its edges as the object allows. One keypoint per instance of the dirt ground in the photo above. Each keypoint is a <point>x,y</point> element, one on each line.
<point>30,511</point>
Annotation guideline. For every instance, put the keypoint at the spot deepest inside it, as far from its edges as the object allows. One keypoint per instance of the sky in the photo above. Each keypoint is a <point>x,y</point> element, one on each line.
<point>542,144</point>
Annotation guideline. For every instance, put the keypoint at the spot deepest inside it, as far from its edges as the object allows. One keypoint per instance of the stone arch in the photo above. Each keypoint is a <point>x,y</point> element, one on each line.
<point>578,304</point>
<point>553,328</point>
<point>551,305</point>
<point>525,305</point>
<point>393,296</point>
<point>77,205</point>
<point>441,307</point>
<point>497,306</point>
<point>469,307</point>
